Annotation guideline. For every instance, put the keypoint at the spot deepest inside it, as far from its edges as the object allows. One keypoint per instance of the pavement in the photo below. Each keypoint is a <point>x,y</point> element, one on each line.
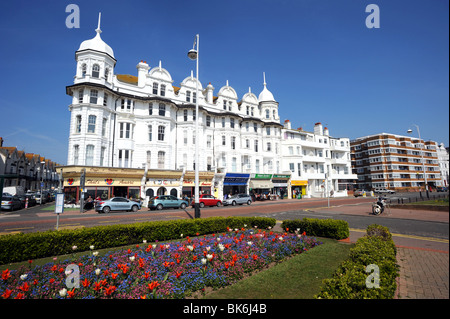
<point>423,261</point>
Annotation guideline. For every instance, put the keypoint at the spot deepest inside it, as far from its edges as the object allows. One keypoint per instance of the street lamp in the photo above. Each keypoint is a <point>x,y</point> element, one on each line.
<point>193,54</point>
<point>409,131</point>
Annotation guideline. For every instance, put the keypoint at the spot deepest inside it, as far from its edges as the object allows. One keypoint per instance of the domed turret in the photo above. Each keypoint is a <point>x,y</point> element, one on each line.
<point>265,94</point>
<point>96,43</point>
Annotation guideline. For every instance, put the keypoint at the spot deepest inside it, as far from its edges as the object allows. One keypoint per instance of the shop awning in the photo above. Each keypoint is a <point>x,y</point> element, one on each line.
<point>299,183</point>
<point>261,184</point>
<point>235,179</point>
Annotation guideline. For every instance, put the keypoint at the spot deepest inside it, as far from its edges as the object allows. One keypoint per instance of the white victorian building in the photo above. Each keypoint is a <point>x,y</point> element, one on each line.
<point>146,123</point>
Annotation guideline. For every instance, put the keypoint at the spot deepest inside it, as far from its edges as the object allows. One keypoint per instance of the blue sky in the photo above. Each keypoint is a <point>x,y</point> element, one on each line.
<point>322,63</point>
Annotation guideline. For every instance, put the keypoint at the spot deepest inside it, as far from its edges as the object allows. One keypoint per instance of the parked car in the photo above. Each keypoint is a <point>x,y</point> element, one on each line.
<point>238,199</point>
<point>11,202</point>
<point>117,203</point>
<point>208,200</point>
<point>441,189</point>
<point>38,198</point>
<point>383,191</point>
<point>360,192</point>
<point>166,201</point>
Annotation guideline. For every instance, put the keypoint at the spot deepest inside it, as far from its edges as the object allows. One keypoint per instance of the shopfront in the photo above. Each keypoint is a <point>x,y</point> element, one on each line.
<point>162,182</point>
<point>205,183</point>
<point>102,182</point>
<point>280,185</point>
<point>260,186</point>
<point>298,188</point>
<point>235,183</point>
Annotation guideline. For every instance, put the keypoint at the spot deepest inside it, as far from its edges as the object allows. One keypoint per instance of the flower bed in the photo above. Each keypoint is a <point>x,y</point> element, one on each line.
<point>161,270</point>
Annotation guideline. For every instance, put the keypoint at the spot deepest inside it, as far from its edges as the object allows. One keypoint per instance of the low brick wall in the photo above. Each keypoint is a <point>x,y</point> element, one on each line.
<point>421,207</point>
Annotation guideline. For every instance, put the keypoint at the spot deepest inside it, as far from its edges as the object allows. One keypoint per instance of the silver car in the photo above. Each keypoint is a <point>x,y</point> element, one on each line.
<point>238,199</point>
<point>117,203</point>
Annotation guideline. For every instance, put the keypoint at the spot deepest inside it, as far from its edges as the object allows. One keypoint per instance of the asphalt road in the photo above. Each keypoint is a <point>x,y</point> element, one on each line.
<point>36,219</point>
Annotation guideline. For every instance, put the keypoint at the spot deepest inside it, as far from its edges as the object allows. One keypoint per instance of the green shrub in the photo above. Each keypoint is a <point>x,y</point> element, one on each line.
<point>20,247</point>
<point>331,228</point>
<point>349,281</point>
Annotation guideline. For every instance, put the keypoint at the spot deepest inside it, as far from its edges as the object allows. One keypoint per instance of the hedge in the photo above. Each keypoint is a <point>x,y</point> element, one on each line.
<point>331,228</point>
<point>21,247</point>
<point>349,281</point>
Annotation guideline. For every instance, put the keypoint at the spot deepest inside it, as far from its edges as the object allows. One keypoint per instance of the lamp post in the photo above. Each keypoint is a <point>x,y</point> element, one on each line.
<point>423,162</point>
<point>42,180</point>
<point>193,54</point>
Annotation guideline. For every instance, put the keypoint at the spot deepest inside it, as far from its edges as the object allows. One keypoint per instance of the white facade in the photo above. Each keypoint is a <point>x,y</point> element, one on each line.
<point>145,121</point>
<point>321,160</point>
<point>443,159</point>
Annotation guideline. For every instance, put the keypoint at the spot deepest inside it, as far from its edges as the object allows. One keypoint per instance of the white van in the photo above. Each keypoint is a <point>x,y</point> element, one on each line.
<point>14,190</point>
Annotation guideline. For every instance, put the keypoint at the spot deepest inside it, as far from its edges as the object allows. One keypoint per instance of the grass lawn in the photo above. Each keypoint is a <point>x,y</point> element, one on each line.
<point>299,277</point>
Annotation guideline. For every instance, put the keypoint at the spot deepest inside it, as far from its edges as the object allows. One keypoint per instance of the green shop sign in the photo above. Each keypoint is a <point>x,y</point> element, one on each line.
<point>263,176</point>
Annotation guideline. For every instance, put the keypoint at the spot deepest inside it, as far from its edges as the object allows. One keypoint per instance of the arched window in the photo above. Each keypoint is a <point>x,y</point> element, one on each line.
<point>174,192</point>
<point>267,114</point>
<point>83,70</point>
<point>96,71</point>
<point>106,74</point>
<point>149,192</point>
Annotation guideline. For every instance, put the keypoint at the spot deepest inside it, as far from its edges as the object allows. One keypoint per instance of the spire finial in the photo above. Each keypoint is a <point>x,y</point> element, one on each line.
<point>227,83</point>
<point>160,64</point>
<point>264,76</point>
<point>98,30</point>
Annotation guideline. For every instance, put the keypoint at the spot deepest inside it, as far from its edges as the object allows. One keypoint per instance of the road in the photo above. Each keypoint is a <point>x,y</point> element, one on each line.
<point>356,211</point>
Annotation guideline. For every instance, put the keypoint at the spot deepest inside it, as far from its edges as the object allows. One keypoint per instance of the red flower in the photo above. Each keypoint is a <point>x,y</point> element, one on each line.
<point>114,276</point>
<point>86,283</point>
<point>146,274</point>
<point>153,285</point>
<point>35,282</point>
<point>20,296</point>
<point>52,280</point>
<point>7,293</point>
<point>54,267</point>
<point>178,274</point>
<point>194,258</point>
<point>6,274</point>
<point>71,293</point>
<point>255,257</point>
<point>97,286</point>
<point>25,287</point>
<point>110,290</point>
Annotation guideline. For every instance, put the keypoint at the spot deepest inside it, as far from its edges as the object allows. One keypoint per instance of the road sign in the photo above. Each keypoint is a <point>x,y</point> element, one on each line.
<point>59,207</point>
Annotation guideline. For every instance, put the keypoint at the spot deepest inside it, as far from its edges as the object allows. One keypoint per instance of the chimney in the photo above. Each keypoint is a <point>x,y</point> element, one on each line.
<point>287,124</point>
<point>325,131</point>
<point>318,128</point>
<point>209,93</point>
<point>1,141</point>
<point>142,72</point>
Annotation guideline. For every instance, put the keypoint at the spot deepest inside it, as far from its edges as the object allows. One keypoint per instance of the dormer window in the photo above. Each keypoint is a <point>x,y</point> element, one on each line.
<point>96,71</point>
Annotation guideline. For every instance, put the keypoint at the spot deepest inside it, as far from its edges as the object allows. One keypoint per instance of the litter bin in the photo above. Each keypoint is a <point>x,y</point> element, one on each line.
<point>299,196</point>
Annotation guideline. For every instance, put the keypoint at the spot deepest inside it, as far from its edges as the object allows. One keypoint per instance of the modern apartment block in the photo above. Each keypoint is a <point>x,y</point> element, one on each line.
<point>396,162</point>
